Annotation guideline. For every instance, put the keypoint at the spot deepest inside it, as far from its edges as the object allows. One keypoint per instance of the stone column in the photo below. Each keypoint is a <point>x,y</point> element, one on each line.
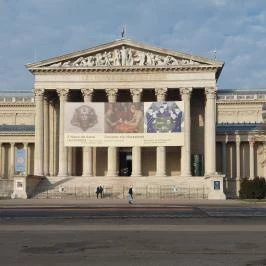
<point>69,161</point>
<point>210,131</point>
<point>1,161</point>
<point>38,154</point>
<point>186,149</point>
<point>224,157</point>
<point>63,93</point>
<point>136,151</point>
<point>46,137</point>
<point>25,146</point>
<point>264,159</point>
<point>12,160</point>
<point>112,151</point>
<point>52,134</point>
<point>160,150</point>
<point>251,159</point>
<point>238,163</point>
<point>87,151</point>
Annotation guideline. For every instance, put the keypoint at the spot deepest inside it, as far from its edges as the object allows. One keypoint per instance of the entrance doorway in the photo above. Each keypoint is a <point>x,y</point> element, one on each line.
<point>125,162</point>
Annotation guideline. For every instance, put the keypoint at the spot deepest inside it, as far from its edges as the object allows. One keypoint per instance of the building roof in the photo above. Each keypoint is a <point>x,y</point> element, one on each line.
<point>17,128</point>
<point>243,127</point>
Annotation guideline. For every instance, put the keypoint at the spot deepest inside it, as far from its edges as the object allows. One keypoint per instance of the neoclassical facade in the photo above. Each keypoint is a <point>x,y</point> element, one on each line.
<point>222,136</point>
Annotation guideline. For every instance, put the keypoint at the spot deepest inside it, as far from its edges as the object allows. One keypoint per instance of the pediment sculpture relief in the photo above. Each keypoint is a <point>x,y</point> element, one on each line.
<point>125,56</point>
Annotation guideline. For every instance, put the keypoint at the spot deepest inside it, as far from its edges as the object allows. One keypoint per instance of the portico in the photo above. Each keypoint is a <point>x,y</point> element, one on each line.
<point>125,71</point>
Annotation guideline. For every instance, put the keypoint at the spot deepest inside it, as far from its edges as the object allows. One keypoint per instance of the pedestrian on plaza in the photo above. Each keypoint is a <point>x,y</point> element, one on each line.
<point>130,195</point>
<point>97,192</point>
<point>101,191</point>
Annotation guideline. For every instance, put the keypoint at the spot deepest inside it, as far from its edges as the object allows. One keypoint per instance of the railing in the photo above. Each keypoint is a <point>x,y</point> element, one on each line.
<point>141,192</point>
<point>6,188</point>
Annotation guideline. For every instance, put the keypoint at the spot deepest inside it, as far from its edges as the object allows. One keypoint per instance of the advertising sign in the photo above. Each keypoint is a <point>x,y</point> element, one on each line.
<point>124,124</point>
<point>20,160</point>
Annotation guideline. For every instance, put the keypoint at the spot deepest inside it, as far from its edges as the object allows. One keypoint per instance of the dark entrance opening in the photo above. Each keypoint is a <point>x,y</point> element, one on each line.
<point>125,162</point>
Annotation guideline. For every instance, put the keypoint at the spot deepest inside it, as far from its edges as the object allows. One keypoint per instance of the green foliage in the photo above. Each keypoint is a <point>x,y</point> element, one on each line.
<point>253,189</point>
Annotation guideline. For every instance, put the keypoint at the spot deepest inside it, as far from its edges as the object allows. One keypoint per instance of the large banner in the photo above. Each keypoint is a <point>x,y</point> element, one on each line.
<point>124,124</point>
<point>20,160</point>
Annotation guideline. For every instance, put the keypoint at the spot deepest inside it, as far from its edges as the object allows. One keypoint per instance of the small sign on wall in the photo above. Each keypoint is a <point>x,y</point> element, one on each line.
<point>216,185</point>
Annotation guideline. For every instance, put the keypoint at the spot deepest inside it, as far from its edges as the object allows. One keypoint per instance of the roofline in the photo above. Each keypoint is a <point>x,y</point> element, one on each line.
<point>130,43</point>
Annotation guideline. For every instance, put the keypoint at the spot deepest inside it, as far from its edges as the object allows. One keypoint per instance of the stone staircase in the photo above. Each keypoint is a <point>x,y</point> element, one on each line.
<point>117,187</point>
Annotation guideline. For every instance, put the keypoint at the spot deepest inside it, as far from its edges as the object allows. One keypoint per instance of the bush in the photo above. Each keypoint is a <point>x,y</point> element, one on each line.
<point>253,189</point>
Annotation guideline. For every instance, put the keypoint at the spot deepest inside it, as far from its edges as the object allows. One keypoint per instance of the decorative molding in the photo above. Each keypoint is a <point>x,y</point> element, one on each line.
<point>124,56</point>
<point>133,69</point>
<point>136,92</point>
<point>62,92</point>
<point>185,91</point>
<point>87,92</point>
<point>160,92</point>
<point>111,92</point>
<point>38,92</point>
<point>210,91</point>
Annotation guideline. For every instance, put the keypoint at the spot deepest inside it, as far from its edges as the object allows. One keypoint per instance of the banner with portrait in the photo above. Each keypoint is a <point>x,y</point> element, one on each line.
<point>124,124</point>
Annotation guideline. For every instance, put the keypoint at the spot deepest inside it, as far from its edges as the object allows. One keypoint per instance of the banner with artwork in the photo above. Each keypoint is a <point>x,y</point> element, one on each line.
<point>124,124</point>
<point>20,160</point>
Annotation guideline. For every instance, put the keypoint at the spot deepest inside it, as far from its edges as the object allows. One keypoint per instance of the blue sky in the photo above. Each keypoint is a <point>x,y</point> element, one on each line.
<point>33,30</point>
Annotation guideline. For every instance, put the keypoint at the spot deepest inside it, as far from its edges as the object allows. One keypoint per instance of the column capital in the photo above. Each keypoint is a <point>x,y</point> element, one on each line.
<point>210,92</point>
<point>135,91</point>
<point>62,92</point>
<point>87,92</point>
<point>111,92</point>
<point>160,92</point>
<point>185,91</point>
<point>38,92</point>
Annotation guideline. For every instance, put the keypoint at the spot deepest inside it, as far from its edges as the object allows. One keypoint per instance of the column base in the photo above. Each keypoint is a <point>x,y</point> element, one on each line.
<point>111,174</point>
<point>136,175</point>
<point>160,175</point>
<point>62,174</point>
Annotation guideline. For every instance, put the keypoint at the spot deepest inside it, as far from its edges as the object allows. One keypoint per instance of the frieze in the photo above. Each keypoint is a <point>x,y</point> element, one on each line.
<point>124,57</point>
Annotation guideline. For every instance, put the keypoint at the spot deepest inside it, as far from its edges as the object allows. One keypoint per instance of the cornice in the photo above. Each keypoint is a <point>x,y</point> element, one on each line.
<point>5,104</point>
<point>187,68</point>
<point>239,102</point>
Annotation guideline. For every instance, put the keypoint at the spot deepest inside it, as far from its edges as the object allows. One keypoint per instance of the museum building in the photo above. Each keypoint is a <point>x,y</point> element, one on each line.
<point>58,132</point>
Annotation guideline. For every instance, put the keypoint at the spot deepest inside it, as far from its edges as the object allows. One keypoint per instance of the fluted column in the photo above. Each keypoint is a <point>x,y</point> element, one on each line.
<point>112,151</point>
<point>52,135</point>
<point>224,144</point>
<point>251,159</point>
<point>136,151</point>
<point>210,131</point>
<point>12,160</point>
<point>160,150</point>
<point>87,151</point>
<point>25,147</point>
<point>186,149</point>
<point>38,154</point>
<point>63,93</point>
<point>46,136</point>
<point>238,163</point>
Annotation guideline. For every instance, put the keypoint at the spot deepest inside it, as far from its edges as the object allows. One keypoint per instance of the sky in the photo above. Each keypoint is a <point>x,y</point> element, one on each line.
<point>34,30</point>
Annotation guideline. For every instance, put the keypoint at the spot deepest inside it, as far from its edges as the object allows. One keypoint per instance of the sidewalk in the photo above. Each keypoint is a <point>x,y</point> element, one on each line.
<point>92,203</point>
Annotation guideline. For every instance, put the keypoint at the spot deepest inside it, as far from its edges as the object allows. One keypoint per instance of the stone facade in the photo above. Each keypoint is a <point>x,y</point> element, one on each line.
<point>126,71</point>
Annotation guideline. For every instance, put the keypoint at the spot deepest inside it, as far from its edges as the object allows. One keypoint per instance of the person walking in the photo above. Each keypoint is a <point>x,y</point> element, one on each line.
<point>101,191</point>
<point>97,192</point>
<point>130,195</point>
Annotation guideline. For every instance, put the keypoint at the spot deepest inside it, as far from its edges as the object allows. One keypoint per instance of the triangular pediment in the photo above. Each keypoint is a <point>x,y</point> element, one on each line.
<point>123,53</point>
